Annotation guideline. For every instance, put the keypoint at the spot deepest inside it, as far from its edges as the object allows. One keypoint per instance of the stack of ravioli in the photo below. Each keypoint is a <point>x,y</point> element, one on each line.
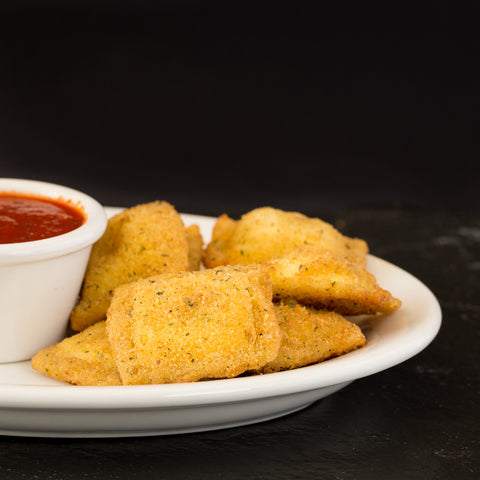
<point>269,292</point>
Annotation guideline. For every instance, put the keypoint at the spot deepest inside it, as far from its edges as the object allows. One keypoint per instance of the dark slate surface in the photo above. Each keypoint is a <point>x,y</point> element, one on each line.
<point>416,420</point>
<point>364,116</point>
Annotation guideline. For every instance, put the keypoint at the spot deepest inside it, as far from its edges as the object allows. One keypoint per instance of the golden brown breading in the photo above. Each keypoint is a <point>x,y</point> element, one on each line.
<point>215,253</point>
<point>140,241</point>
<point>83,359</point>
<point>319,278</point>
<point>311,336</point>
<point>195,247</point>
<point>183,327</point>
<point>266,233</point>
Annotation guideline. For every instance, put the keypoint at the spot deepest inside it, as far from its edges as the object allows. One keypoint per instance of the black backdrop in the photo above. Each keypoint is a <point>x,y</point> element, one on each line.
<point>301,105</point>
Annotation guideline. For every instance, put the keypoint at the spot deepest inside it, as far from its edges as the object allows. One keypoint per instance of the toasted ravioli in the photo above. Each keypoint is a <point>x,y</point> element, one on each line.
<point>316,277</point>
<point>311,336</point>
<point>266,232</point>
<point>83,359</point>
<point>184,327</point>
<point>195,247</point>
<point>140,241</point>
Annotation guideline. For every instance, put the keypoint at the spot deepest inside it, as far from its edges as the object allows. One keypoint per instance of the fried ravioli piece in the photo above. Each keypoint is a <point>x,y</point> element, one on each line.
<point>311,336</point>
<point>318,278</point>
<point>83,359</point>
<point>184,327</point>
<point>195,247</point>
<point>144,240</point>
<point>266,232</point>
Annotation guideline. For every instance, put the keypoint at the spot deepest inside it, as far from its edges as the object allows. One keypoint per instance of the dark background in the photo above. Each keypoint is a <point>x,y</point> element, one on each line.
<point>225,106</point>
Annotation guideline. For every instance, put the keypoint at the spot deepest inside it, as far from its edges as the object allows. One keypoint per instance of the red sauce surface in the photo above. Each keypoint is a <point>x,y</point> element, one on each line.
<point>24,218</point>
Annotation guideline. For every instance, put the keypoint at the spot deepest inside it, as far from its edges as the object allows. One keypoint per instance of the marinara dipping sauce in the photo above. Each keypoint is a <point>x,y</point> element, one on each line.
<point>24,218</point>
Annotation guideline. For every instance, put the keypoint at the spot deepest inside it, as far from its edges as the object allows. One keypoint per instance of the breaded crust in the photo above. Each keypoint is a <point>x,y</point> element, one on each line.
<point>184,327</point>
<point>140,241</point>
<point>318,278</point>
<point>311,336</point>
<point>83,359</point>
<point>195,247</point>
<point>265,233</point>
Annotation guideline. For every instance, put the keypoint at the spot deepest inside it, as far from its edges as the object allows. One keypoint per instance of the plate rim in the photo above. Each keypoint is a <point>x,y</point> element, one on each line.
<point>240,389</point>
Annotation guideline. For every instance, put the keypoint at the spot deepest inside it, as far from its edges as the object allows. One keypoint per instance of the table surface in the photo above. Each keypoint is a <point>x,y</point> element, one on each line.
<point>365,121</point>
<point>419,419</point>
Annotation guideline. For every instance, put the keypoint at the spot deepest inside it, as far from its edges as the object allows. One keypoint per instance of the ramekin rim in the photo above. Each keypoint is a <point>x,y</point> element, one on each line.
<point>75,240</point>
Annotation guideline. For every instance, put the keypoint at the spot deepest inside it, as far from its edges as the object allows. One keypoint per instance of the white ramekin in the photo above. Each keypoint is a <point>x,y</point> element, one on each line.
<point>40,280</point>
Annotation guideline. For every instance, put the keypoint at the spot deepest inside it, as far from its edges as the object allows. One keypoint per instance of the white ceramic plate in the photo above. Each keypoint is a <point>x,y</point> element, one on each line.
<point>32,404</point>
